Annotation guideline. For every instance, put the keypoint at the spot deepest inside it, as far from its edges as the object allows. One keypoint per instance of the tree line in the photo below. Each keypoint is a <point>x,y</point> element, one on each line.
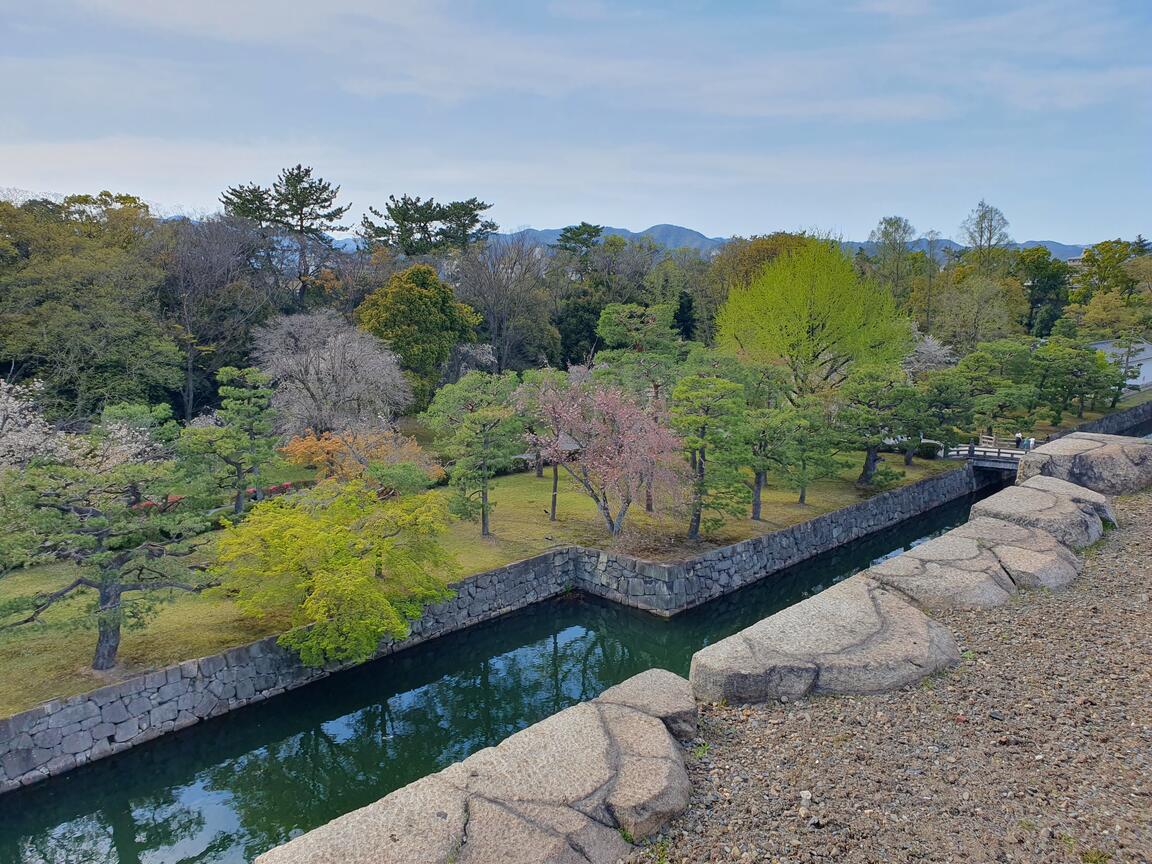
<point>155,368</point>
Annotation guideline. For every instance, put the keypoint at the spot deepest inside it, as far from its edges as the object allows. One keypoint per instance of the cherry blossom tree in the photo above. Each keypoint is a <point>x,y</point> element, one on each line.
<point>608,442</point>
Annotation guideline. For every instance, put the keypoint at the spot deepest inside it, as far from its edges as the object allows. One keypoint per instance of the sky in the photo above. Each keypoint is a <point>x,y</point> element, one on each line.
<point>726,117</point>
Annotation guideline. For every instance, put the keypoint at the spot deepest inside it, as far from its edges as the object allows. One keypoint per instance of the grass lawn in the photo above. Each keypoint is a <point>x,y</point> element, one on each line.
<point>50,661</point>
<point>520,526</point>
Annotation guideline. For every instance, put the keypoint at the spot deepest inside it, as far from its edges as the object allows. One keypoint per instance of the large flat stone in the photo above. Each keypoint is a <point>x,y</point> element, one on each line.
<point>1111,464</point>
<point>562,790</point>
<point>1033,558</point>
<point>857,637</point>
<point>662,694</point>
<point>948,572</point>
<point>1069,513</point>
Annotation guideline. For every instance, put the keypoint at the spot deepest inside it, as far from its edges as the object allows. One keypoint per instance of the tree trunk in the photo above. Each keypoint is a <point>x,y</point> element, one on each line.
<point>909,452</point>
<point>555,490</point>
<point>649,504</point>
<point>539,464</point>
<point>803,495</point>
<point>189,378</point>
<point>871,457</point>
<point>697,494</point>
<point>484,490</point>
<point>757,489</point>
<point>484,507</point>
<point>107,627</point>
<point>241,492</point>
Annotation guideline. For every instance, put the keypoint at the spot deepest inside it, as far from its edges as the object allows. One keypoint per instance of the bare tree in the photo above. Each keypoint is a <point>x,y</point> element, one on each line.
<point>329,375</point>
<point>503,281</point>
<point>892,236</point>
<point>985,230</point>
<point>212,296</point>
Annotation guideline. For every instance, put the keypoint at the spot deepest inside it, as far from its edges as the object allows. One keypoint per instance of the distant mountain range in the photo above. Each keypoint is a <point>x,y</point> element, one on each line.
<point>679,237</point>
<point>668,236</point>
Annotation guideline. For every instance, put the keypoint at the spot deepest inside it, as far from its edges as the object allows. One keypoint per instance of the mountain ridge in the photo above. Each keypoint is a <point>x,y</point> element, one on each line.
<point>677,236</point>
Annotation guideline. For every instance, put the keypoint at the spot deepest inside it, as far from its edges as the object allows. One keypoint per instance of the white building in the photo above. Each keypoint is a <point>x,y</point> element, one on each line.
<point>1141,360</point>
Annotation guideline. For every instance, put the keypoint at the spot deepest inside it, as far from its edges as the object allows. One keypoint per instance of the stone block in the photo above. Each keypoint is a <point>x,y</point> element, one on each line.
<point>575,781</point>
<point>661,694</point>
<point>856,637</point>
<point>947,572</point>
<point>114,712</point>
<point>1110,464</point>
<point>77,742</point>
<point>76,713</point>
<point>1035,504</point>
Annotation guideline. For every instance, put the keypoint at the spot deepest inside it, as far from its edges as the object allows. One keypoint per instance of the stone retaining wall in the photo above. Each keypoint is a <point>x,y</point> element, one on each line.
<point>1122,422</point>
<point>59,735</point>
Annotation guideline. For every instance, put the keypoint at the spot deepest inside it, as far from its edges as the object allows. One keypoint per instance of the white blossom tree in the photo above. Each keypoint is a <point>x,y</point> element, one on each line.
<point>328,374</point>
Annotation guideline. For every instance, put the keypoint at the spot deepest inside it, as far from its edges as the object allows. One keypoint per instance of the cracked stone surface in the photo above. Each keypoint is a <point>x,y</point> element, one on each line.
<point>1031,557</point>
<point>948,572</point>
<point>1111,464</point>
<point>566,789</point>
<point>856,637</point>
<point>662,694</point>
<point>1070,513</point>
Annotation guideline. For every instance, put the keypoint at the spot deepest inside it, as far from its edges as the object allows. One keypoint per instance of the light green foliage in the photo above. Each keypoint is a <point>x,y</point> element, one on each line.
<point>809,312</point>
<point>240,442</point>
<point>1102,270</point>
<point>894,263</point>
<point>479,428</point>
<point>340,566</point>
<point>420,319</point>
<point>709,414</point>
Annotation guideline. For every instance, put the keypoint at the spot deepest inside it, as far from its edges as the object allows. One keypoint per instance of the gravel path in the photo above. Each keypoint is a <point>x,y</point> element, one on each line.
<point>1036,748</point>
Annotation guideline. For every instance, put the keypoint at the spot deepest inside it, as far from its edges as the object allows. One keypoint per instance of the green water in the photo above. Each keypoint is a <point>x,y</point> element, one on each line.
<point>231,788</point>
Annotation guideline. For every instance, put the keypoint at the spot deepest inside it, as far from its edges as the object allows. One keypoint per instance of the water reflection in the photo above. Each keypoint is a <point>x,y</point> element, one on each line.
<point>227,790</point>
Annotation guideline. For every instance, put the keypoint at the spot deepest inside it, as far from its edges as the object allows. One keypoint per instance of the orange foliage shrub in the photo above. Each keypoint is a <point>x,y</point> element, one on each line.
<point>347,455</point>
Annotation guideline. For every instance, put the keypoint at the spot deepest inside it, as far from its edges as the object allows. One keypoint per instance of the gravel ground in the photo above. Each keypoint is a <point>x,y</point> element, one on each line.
<point>1036,748</point>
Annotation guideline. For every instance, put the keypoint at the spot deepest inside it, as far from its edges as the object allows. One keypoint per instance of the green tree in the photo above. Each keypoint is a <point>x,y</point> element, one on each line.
<point>1046,280</point>
<point>1102,270</point>
<point>239,441</point>
<point>480,430</point>
<point>421,320</point>
<point>985,231</point>
<point>800,443</point>
<point>413,226</point>
<point>810,312</point>
<point>84,321</point>
<point>893,258</point>
<point>709,413</point>
<point>111,516</point>
<point>580,239</point>
<point>341,567</point>
<point>875,407</point>
<point>297,203</point>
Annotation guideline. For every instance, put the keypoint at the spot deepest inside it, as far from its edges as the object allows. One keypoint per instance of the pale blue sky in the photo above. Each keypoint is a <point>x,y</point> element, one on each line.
<point>725,117</point>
